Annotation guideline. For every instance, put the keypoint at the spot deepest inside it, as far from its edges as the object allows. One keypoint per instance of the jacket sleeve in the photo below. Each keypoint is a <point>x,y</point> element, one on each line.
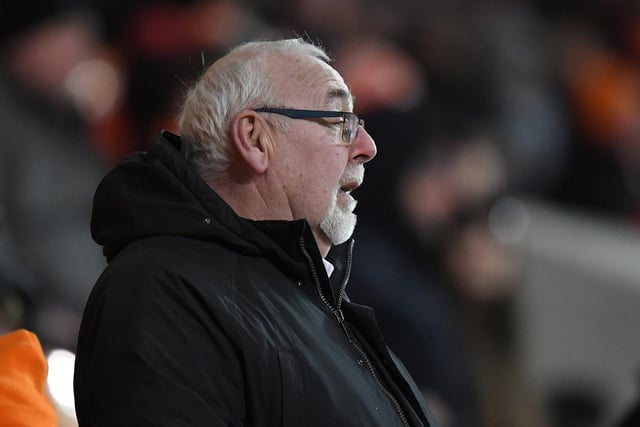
<point>152,351</point>
<point>23,371</point>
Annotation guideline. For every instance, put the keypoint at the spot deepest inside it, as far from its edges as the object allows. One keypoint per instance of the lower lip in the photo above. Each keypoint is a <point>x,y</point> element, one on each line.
<point>344,195</point>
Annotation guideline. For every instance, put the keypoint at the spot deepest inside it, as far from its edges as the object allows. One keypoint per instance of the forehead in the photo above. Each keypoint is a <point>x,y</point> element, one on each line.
<point>310,83</point>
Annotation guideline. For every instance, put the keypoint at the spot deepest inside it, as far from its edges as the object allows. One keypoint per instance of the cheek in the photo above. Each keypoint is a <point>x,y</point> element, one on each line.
<point>319,190</point>
<point>318,173</point>
<point>324,177</point>
<point>315,184</point>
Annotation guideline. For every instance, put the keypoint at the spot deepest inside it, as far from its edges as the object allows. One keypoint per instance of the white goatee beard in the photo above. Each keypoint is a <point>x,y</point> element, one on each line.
<point>339,221</point>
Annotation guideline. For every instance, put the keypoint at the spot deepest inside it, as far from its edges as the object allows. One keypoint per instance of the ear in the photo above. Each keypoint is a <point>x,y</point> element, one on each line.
<point>251,137</point>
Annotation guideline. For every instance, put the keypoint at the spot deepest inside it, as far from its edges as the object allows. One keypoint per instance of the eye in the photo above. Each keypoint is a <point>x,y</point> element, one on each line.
<point>336,123</point>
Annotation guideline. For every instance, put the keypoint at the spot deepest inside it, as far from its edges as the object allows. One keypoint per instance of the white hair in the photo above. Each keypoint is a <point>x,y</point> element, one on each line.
<point>239,80</point>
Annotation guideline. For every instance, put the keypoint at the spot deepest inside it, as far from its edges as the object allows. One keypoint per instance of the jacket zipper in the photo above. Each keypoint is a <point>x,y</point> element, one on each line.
<point>337,312</point>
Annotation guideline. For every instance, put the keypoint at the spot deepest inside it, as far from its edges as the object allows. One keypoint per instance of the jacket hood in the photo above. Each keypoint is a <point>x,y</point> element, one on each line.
<point>158,193</point>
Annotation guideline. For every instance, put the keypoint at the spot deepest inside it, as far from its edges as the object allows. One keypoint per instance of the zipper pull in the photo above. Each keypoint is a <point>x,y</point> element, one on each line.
<point>340,316</point>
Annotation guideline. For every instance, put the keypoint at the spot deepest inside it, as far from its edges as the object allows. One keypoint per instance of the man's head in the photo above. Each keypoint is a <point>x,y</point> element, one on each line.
<point>247,138</point>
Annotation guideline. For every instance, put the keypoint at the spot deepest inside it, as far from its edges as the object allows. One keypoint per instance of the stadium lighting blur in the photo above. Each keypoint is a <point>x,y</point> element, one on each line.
<point>60,380</point>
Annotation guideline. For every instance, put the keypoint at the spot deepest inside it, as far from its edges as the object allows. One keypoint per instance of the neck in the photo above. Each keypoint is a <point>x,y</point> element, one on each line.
<point>247,200</point>
<point>324,245</point>
<point>250,200</point>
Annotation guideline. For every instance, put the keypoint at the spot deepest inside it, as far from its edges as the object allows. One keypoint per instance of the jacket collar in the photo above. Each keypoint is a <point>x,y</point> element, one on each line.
<point>158,192</point>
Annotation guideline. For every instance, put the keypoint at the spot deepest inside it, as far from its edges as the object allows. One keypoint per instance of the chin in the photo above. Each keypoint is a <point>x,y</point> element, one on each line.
<point>338,228</point>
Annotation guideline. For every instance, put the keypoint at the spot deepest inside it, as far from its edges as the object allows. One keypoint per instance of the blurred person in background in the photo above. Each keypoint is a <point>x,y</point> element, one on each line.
<point>48,169</point>
<point>229,252</point>
<point>392,274</point>
<point>163,45</point>
<point>429,246</point>
<point>441,283</point>
<point>602,84</point>
<point>482,275</point>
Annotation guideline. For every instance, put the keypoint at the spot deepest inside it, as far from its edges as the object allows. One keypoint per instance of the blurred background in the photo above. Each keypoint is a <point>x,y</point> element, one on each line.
<point>498,234</point>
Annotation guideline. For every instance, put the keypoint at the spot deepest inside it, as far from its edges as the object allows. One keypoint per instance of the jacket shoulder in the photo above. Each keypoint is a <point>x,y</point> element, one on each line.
<point>151,261</point>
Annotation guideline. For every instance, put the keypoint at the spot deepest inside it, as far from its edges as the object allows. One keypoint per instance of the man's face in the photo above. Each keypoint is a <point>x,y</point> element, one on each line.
<point>316,168</point>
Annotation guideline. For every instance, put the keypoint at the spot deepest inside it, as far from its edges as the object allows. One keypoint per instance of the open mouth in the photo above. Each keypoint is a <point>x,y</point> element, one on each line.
<point>349,187</point>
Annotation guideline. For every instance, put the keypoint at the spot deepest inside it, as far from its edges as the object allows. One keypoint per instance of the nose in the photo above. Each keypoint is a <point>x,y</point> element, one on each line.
<point>363,147</point>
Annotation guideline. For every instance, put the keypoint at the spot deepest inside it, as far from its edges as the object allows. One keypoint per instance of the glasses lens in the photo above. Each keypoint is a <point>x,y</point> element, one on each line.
<point>350,128</point>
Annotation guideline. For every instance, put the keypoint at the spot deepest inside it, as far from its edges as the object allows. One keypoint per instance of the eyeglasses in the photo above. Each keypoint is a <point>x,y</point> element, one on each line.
<point>350,122</point>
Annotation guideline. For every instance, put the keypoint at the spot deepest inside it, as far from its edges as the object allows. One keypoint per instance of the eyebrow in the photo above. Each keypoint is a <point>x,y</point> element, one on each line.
<point>341,95</point>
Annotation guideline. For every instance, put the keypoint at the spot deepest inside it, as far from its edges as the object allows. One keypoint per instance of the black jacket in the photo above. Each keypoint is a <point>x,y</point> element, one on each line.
<point>203,318</point>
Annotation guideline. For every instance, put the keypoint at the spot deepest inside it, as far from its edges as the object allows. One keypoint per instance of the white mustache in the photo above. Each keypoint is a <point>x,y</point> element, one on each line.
<point>353,174</point>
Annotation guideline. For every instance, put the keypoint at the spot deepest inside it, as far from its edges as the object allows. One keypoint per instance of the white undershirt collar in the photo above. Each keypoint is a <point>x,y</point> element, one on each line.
<point>328,266</point>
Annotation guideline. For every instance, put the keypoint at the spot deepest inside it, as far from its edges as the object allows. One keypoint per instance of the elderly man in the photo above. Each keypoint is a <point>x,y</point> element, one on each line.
<point>224,300</point>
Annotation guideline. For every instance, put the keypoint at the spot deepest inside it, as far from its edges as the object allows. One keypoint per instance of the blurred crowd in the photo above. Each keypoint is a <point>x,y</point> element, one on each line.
<point>472,105</point>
